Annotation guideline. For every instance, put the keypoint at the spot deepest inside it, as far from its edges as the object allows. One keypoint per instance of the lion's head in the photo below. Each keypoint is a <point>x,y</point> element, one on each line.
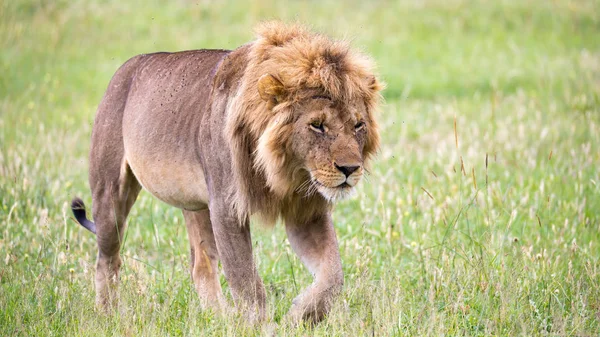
<point>304,112</point>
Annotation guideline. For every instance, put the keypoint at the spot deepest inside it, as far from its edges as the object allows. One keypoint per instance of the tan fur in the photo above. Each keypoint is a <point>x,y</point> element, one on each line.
<point>281,127</point>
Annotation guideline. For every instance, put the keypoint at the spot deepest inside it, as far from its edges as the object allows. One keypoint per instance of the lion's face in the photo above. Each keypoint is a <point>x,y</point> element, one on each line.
<point>328,141</point>
<point>314,142</point>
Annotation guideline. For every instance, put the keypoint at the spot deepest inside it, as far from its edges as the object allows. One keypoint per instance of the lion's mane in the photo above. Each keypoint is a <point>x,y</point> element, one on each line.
<point>265,176</point>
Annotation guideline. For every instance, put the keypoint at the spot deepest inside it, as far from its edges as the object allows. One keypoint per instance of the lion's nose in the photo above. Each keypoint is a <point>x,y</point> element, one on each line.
<point>347,170</point>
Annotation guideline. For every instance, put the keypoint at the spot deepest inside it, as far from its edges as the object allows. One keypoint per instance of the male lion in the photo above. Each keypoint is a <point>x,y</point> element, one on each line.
<point>281,127</point>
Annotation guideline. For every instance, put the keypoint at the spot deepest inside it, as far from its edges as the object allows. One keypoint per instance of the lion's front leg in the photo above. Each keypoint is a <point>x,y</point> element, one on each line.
<point>234,245</point>
<point>316,244</point>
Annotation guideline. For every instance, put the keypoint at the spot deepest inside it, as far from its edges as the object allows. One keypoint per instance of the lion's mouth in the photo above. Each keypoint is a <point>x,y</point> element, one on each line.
<point>342,185</point>
<point>334,193</point>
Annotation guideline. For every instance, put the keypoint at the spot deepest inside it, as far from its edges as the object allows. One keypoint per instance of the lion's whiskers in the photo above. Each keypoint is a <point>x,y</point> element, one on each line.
<point>307,188</point>
<point>312,189</point>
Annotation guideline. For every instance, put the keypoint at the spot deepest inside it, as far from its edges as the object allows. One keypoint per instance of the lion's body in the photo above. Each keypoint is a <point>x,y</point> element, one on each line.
<point>169,96</point>
<point>226,134</point>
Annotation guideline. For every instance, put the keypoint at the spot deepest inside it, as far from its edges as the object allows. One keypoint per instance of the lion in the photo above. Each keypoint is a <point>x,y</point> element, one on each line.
<point>281,127</point>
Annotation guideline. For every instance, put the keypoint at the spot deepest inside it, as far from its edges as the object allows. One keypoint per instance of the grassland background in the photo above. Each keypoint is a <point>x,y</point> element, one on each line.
<point>480,215</point>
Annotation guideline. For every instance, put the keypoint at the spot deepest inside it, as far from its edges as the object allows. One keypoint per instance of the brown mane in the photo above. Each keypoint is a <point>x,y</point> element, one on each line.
<point>258,131</point>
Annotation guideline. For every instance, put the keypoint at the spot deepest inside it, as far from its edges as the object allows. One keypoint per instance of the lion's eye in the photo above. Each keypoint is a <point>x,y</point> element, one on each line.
<point>317,126</point>
<point>321,97</point>
<point>359,126</point>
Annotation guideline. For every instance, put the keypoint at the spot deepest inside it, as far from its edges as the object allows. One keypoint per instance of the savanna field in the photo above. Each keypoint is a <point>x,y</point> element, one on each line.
<point>480,215</point>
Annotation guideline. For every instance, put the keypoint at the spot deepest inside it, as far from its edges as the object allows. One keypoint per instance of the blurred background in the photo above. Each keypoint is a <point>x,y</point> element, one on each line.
<point>479,216</point>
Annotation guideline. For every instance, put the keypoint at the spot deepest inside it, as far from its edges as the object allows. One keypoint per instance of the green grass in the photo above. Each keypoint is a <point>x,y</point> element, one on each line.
<point>480,215</point>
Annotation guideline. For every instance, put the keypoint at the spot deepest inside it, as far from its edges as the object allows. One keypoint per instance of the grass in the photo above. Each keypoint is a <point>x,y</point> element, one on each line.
<point>480,215</point>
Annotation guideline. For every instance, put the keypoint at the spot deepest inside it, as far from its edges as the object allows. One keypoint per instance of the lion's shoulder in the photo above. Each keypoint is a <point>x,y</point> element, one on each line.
<point>232,68</point>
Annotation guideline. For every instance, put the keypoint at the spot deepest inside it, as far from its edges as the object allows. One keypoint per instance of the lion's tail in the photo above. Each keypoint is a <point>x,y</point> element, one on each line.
<point>78,208</point>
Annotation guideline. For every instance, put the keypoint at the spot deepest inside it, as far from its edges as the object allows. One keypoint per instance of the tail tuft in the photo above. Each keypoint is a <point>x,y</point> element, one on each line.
<point>78,208</point>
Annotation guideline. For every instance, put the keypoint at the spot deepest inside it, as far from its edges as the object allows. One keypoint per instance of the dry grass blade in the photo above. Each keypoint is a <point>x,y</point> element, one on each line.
<point>486,169</point>
<point>455,133</point>
<point>429,194</point>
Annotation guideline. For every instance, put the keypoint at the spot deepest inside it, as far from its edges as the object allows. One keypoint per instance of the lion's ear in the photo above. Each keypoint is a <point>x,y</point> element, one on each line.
<point>270,89</point>
<point>375,84</point>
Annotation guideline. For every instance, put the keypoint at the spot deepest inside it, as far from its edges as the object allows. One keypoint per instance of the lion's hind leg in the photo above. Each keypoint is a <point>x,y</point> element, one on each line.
<point>204,259</point>
<point>113,198</point>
